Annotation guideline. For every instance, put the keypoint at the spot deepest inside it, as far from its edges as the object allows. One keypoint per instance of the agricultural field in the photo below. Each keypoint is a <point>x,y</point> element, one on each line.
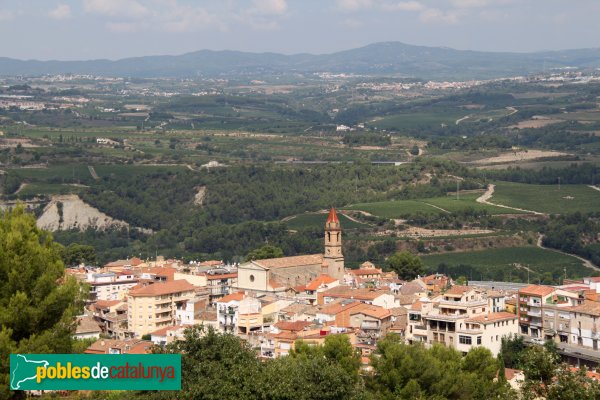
<point>403,208</point>
<point>418,119</point>
<point>509,264</point>
<point>547,198</point>
<point>317,221</point>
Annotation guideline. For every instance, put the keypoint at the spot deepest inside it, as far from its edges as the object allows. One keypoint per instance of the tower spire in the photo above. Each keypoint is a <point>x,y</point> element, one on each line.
<point>332,216</point>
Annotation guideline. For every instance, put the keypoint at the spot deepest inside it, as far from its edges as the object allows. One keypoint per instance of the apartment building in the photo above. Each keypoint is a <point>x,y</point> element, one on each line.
<point>155,306</point>
<point>530,307</point>
<point>110,285</point>
<point>585,324</point>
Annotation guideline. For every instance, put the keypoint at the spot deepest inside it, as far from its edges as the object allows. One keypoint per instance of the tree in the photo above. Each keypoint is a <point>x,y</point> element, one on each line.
<point>264,252</point>
<point>37,302</point>
<point>337,348</point>
<point>406,265</point>
<point>512,350</point>
<point>75,254</point>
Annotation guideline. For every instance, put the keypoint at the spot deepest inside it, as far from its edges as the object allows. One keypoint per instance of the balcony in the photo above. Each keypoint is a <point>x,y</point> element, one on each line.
<point>534,313</point>
<point>471,303</point>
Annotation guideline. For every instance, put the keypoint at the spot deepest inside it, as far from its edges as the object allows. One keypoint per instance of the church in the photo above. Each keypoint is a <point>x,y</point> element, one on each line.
<point>277,274</point>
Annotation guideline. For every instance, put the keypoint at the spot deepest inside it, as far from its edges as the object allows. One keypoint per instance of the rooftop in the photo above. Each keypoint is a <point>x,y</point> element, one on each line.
<point>162,288</point>
<point>492,317</point>
<point>285,262</point>
<point>239,296</point>
<point>316,283</point>
<point>537,290</point>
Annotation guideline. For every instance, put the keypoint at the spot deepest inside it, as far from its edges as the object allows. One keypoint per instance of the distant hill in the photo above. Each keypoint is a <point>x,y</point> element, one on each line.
<point>386,58</point>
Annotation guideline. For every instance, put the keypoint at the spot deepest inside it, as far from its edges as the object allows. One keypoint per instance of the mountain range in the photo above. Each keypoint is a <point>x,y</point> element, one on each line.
<point>385,58</point>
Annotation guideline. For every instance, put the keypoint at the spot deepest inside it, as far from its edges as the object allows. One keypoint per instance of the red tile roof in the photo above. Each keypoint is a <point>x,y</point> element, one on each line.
<point>292,326</point>
<point>316,283</point>
<point>366,271</point>
<point>284,262</point>
<point>239,296</point>
<point>492,317</point>
<point>161,288</point>
<point>457,290</point>
<point>372,311</point>
<point>537,290</point>
<point>105,303</point>
<point>332,216</point>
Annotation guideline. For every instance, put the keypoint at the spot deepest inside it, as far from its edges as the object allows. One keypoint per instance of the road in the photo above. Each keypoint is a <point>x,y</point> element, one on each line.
<point>484,199</point>
<point>585,262</point>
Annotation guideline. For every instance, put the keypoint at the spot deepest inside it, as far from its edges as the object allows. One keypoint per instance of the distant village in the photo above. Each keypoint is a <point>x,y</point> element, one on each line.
<point>271,303</point>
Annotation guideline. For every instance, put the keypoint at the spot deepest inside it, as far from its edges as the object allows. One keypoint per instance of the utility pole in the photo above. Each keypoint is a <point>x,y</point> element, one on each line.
<point>559,183</point>
<point>457,189</point>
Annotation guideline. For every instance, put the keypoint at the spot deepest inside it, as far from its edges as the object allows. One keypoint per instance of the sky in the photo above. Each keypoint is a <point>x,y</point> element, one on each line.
<point>92,29</point>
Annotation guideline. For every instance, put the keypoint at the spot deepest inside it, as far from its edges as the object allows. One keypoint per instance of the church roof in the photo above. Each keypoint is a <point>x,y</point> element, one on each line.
<point>332,216</point>
<point>294,261</point>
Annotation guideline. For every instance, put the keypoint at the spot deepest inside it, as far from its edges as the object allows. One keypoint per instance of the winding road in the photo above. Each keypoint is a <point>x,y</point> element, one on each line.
<point>585,262</point>
<point>484,199</point>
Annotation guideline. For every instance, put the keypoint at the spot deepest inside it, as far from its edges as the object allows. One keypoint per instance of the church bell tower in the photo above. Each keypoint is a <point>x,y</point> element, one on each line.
<point>333,246</point>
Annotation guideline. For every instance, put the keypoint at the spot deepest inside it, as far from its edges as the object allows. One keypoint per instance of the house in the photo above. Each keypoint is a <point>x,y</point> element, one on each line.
<point>376,297</point>
<point>116,346</point>
<point>186,314</point>
<point>227,311</point>
<point>366,274</point>
<point>530,306</point>
<point>110,285</point>
<point>111,316</point>
<point>585,325</point>
<point>373,322</point>
<point>277,274</point>
<point>486,330</point>
<point>154,306</point>
<point>167,335</point>
<point>87,328</point>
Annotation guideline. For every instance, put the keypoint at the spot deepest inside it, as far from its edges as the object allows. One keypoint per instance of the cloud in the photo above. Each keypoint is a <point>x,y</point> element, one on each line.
<point>353,5</point>
<point>127,16</point>
<point>404,6</point>
<point>269,7</point>
<point>116,8</point>
<point>62,11</point>
<point>189,19</point>
<point>5,15</point>
<point>435,15</point>
<point>470,3</point>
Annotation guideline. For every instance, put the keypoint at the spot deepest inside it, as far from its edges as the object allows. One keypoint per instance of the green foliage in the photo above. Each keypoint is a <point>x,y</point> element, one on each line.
<point>512,349</point>
<point>221,366</point>
<point>262,253</point>
<point>406,265</point>
<point>367,139</point>
<point>412,371</point>
<point>36,313</point>
<point>75,254</point>
<point>80,345</point>
<point>508,264</point>
<point>337,348</point>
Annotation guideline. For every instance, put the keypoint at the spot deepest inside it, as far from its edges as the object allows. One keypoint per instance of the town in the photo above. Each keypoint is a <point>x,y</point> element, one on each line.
<point>272,303</point>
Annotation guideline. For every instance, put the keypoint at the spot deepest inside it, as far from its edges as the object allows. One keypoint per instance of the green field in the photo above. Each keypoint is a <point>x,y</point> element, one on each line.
<point>403,208</point>
<point>313,220</point>
<point>547,198</point>
<point>418,119</point>
<point>498,264</point>
<point>33,189</point>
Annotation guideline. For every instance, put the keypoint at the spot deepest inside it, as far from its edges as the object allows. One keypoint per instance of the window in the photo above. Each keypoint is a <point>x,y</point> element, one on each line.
<point>251,278</point>
<point>464,339</point>
<point>478,339</point>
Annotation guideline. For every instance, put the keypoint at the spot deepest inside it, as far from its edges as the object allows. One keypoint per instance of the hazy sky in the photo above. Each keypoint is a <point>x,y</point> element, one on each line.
<point>85,29</point>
